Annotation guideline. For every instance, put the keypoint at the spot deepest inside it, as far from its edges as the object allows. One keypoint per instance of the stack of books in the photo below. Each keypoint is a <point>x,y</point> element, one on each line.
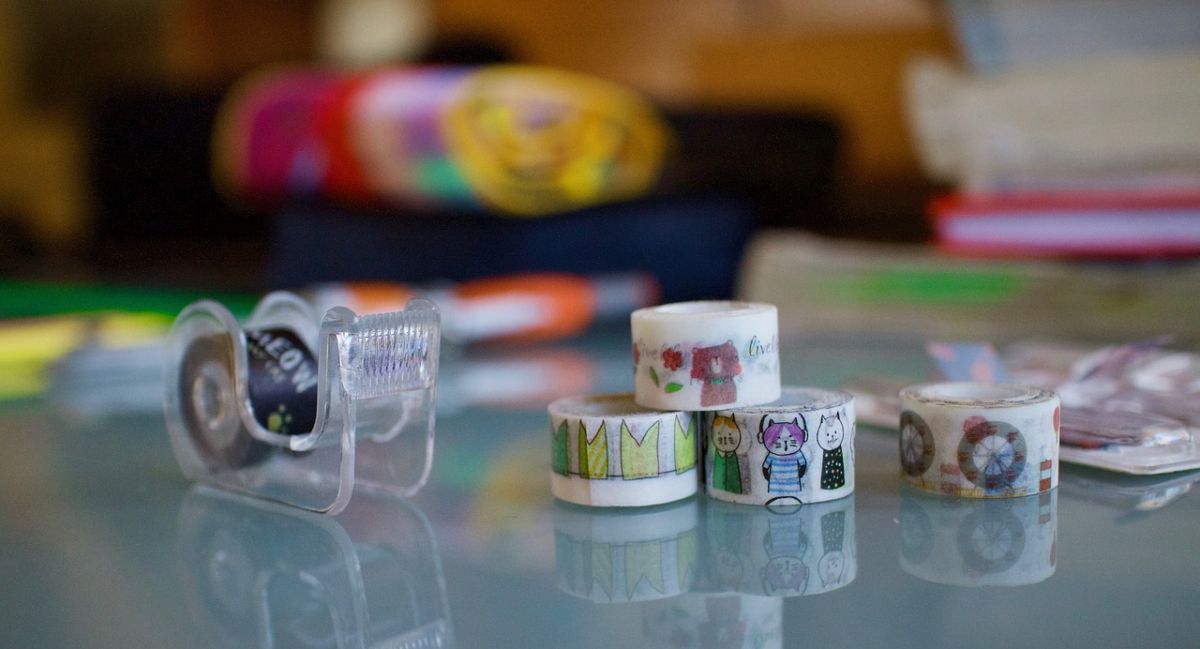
<point>1087,148</point>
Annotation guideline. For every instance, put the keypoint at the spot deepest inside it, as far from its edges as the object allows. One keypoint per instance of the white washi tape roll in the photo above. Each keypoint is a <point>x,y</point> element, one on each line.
<point>979,440</point>
<point>607,451</point>
<point>978,542</point>
<point>799,448</point>
<point>705,355</point>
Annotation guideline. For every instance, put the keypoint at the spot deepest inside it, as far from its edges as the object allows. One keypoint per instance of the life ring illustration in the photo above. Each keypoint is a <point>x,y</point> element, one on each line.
<point>916,444</point>
<point>991,454</point>
<point>990,541</point>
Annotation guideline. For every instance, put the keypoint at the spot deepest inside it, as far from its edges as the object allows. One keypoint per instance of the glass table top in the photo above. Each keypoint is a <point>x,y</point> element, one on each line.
<point>104,544</point>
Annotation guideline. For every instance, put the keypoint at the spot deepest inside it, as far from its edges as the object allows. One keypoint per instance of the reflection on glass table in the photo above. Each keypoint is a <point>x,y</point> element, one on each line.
<point>257,574</point>
<point>978,542</point>
<point>1133,495</point>
<point>626,555</point>
<point>706,573</point>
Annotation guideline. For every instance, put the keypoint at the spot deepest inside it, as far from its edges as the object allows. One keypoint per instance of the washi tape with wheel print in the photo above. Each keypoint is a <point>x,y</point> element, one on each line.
<point>979,440</point>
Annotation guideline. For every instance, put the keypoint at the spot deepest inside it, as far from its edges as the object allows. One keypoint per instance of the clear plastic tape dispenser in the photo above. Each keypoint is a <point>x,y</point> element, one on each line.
<point>303,411</point>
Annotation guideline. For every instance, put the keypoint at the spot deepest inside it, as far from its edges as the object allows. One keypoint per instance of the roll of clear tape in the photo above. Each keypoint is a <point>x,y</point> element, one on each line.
<point>607,451</point>
<point>705,355</point>
<point>798,448</point>
<point>979,440</point>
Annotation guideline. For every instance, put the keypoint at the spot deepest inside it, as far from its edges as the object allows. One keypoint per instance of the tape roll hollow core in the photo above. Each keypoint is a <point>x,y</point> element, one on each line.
<point>979,440</point>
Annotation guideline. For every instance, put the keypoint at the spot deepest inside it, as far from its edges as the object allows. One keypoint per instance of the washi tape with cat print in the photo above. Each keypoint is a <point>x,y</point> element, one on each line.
<point>705,355</point>
<point>796,449</point>
<point>979,440</point>
<point>607,451</point>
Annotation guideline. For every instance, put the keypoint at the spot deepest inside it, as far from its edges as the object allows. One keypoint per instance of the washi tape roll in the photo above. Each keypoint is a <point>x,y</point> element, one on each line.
<point>1008,542</point>
<point>779,552</point>
<point>609,452</point>
<point>615,556</point>
<point>705,355</point>
<point>979,440</point>
<point>799,448</point>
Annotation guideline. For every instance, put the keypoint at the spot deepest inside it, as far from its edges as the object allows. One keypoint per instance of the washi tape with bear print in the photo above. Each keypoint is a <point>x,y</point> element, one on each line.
<point>705,355</point>
<point>607,451</point>
<point>797,449</point>
<point>979,440</point>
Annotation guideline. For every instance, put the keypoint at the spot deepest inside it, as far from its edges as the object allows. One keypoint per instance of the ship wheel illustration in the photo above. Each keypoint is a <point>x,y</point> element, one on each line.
<point>991,539</point>
<point>991,454</point>
<point>916,444</point>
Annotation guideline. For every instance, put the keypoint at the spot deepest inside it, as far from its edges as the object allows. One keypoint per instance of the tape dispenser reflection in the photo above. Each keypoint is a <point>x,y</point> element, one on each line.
<point>300,410</point>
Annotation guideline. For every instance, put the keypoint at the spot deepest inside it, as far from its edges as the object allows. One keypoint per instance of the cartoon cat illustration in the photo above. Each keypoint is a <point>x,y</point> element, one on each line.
<point>784,464</point>
<point>831,567</point>
<point>830,433</point>
<point>716,366</point>
<point>786,544</point>
<point>724,438</point>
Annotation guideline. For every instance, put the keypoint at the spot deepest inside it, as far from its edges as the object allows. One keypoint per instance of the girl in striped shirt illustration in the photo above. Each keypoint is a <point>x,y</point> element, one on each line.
<point>785,464</point>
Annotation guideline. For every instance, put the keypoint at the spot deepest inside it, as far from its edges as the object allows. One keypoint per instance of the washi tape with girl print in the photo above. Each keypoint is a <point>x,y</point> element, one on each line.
<point>607,451</point>
<point>705,355</point>
<point>796,449</point>
<point>979,440</point>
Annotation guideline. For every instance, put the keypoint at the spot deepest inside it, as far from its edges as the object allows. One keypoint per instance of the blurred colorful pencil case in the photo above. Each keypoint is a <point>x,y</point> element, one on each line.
<point>520,140</point>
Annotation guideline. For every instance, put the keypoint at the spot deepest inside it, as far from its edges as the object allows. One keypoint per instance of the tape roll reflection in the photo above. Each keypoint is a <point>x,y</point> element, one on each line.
<point>979,440</point>
<point>805,550</point>
<point>726,620</point>
<point>613,556</point>
<point>1009,542</point>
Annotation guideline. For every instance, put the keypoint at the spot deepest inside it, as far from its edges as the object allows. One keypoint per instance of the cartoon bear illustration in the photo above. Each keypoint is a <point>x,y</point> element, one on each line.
<point>716,366</point>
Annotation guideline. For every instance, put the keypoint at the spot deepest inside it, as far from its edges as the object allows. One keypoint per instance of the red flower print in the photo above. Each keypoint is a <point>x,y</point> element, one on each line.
<point>973,421</point>
<point>672,359</point>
